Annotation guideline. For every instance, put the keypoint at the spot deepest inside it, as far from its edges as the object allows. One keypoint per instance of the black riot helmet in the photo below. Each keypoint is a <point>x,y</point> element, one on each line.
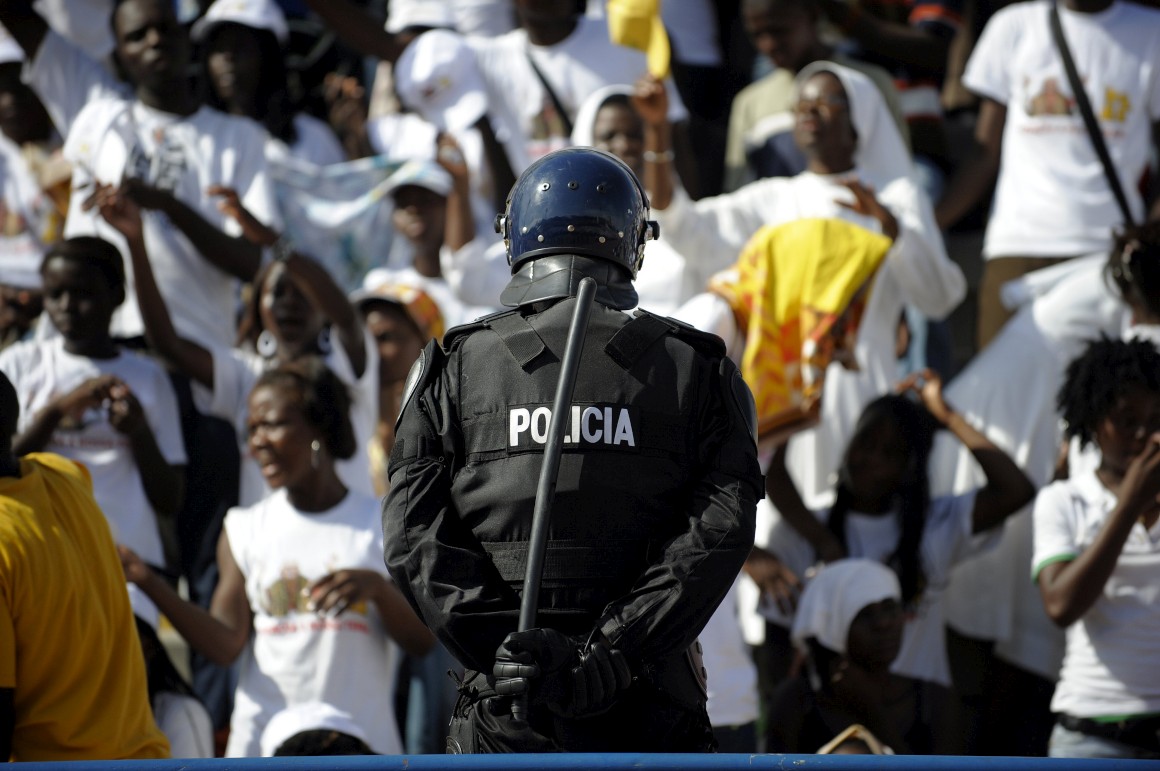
<point>577,201</point>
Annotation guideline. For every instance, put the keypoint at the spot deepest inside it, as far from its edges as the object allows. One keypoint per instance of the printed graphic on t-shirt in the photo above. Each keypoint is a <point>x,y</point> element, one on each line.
<point>547,132</point>
<point>164,168</point>
<point>291,594</point>
<point>1052,98</point>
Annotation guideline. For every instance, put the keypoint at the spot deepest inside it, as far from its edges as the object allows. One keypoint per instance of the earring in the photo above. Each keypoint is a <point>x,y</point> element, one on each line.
<point>324,344</point>
<point>315,454</point>
<point>267,344</point>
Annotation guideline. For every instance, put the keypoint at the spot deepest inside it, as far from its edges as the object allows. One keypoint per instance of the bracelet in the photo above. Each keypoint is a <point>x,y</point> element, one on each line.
<point>282,249</point>
<point>662,157</point>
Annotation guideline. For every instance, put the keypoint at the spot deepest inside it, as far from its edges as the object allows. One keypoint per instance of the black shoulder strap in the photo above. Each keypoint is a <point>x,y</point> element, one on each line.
<point>1089,119</point>
<point>636,337</point>
<point>519,336</point>
<point>565,118</point>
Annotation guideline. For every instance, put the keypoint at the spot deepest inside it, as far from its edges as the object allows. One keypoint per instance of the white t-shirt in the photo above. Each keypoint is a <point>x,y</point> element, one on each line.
<point>297,656</point>
<point>1052,197</point>
<point>580,64</point>
<point>316,144</point>
<point>732,675</point>
<point>185,723</point>
<point>946,540</point>
<point>43,371</point>
<point>236,371</point>
<point>1109,666</point>
<point>111,136</point>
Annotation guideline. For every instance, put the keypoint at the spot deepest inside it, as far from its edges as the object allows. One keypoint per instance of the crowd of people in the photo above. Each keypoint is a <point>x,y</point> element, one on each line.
<point>958,551</point>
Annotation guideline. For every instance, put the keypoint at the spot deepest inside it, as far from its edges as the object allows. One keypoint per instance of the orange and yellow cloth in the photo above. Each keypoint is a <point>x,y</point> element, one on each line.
<point>798,291</point>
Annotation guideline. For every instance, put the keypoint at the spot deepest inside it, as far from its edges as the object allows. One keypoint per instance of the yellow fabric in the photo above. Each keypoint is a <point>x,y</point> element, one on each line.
<point>637,24</point>
<point>798,292</point>
<point>68,642</point>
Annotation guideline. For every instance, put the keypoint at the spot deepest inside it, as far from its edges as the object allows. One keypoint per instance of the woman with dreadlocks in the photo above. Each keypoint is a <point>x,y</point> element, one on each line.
<point>883,510</point>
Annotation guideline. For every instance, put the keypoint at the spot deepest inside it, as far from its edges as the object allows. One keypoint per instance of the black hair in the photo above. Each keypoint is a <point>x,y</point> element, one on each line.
<point>325,401</point>
<point>1134,265</point>
<point>917,427</point>
<point>160,673</point>
<point>1097,379</point>
<point>96,253</point>
<point>9,412</point>
<point>250,324</point>
<point>322,741</point>
<point>275,106</point>
<point>397,310</point>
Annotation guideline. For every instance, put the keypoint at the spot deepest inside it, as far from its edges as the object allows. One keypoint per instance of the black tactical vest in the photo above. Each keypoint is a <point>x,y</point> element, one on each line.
<point>630,449</point>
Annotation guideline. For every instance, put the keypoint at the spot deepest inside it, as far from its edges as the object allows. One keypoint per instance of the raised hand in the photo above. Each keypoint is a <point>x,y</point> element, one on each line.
<point>929,387</point>
<point>449,155</point>
<point>866,203</point>
<point>1140,488</point>
<point>650,99</point>
<point>119,210</point>
<point>231,205</point>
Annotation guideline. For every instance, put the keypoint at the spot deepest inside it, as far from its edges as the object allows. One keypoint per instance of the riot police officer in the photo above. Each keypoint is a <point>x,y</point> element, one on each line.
<point>654,508</point>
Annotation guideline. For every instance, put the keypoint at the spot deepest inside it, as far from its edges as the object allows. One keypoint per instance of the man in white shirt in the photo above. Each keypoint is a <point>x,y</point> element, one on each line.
<point>152,134</point>
<point>1052,200</point>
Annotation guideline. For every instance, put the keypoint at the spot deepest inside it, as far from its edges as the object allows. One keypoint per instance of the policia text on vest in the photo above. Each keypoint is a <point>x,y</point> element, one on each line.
<point>602,424</point>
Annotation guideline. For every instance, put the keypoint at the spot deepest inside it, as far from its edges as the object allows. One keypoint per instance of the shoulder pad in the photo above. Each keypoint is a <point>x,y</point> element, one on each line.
<point>705,342</point>
<point>429,362</point>
<point>455,334</point>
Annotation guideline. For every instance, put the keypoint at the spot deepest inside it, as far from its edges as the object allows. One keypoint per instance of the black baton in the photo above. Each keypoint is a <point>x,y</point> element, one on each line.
<point>549,471</point>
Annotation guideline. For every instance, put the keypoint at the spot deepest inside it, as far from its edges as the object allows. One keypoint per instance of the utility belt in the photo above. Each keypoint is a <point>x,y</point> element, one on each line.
<point>1142,732</point>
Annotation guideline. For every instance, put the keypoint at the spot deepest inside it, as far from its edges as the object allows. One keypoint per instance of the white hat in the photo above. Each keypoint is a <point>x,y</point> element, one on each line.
<point>309,716</point>
<point>421,173</point>
<point>834,596</point>
<point>257,14</point>
<point>10,50</point>
<point>437,77</point>
<point>419,13</point>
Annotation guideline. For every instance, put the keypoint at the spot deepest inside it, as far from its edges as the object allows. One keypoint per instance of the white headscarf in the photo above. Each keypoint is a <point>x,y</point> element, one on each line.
<point>881,153</point>
<point>582,135</point>
<point>834,596</point>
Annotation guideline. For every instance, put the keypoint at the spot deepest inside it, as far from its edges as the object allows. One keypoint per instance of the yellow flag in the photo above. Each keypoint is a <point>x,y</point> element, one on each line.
<point>637,24</point>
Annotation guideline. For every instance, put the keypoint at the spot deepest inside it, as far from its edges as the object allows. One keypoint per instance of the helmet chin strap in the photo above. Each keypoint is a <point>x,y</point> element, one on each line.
<point>556,276</point>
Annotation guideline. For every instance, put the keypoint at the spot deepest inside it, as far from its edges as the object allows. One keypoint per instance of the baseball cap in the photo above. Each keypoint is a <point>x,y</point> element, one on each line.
<point>437,77</point>
<point>257,14</point>
<point>419,306</point>
<point>421,173</point>
<point>637,24</point>
<point>308,716</point>
<point>402,14</point>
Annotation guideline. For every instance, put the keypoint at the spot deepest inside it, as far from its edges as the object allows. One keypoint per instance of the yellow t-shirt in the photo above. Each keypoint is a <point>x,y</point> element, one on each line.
<point>68,643</point>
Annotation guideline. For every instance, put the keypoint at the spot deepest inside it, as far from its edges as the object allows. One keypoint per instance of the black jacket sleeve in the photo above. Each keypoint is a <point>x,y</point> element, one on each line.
<point>675,597</point>
<point>436,560</point>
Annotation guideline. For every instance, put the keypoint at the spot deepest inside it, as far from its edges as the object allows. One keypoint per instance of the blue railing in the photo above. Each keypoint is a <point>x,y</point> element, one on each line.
<point>626,762</point>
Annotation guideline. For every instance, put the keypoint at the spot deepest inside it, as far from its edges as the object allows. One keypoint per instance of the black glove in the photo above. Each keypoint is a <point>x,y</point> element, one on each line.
<point>560,673</point>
